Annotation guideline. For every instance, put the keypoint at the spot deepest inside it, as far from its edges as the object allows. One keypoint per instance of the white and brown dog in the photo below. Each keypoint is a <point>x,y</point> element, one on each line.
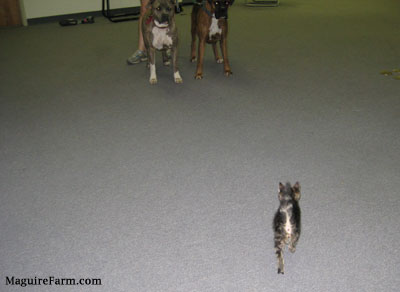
<point>210,25</point>
<point>160,33</point>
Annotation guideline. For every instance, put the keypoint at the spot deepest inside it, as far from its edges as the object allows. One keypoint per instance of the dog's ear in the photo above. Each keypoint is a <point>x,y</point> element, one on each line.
<point>149,4</point>
<point>296,190</point>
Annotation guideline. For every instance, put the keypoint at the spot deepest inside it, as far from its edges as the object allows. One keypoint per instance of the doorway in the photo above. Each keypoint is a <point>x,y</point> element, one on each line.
<point>10,13</point>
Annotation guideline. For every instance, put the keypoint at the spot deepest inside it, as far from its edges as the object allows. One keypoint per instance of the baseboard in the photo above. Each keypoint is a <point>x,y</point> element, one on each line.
<point>57,18</point>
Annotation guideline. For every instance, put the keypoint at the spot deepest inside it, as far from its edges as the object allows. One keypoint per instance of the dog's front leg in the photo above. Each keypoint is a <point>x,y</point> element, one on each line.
<point>193,50</point>
<point>165,57</point>
<point>199,71</point>
<point>218,59</point>
<point>177,76</point>
<point>152,63</point>
<point>193,32</point>
<point>224,50</point>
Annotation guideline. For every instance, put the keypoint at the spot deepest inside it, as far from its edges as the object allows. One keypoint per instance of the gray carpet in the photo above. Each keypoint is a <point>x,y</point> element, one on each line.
<point>173,187</point>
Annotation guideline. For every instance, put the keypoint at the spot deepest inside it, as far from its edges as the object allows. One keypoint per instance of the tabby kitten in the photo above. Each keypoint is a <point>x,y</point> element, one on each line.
<point>287,221</point>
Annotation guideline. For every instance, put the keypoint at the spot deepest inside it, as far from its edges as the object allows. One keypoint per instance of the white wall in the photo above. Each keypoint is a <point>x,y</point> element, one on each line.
<point>44,8</point>
<point>23,15</point>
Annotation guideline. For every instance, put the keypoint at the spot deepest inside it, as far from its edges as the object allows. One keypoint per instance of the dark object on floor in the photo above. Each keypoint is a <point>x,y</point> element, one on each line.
<point>68,22</point>
<point>386,73</point>
<point>262,3</point>
<point>395,73</point>
<point>287,221</point>
<point>89,19</point>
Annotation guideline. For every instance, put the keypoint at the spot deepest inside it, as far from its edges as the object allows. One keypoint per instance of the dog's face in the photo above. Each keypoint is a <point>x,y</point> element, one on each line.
<point>163,11</point>
<point>221,8</point>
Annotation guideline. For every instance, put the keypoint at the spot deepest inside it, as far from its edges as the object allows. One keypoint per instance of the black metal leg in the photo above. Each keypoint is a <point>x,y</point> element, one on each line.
<point>106,11</point>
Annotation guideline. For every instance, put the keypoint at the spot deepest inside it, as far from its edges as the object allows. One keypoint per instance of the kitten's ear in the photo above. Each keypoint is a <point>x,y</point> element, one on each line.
<point>296,189</point>
<point>281,189</point>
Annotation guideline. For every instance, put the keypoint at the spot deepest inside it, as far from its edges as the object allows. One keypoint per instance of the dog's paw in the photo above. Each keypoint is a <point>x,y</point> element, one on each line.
<point>228,73</point>
<point>153,75</point>
<point>219,60</point>
<point>167,63</point>
<point>292,249</point>
<point>198,76</point>
<point>177,78</point>
<point>193,59</point>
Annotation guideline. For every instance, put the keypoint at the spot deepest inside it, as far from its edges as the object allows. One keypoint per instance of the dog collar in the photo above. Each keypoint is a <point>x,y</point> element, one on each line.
<point>149,19</point>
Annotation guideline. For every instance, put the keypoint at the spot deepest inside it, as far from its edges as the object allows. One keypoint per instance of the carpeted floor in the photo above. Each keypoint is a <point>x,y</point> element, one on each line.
<point>173,188</point>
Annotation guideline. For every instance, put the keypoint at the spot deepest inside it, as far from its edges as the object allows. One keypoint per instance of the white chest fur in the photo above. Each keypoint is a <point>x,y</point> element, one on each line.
<point>161,38</point>
<point>288,226</point>
<point>214,28</point>
<point>287,213</point>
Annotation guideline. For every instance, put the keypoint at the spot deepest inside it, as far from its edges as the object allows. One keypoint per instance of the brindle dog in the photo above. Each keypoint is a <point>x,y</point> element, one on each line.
<point>287,223</point>
<point>210,25</point>
<point>160,33</point>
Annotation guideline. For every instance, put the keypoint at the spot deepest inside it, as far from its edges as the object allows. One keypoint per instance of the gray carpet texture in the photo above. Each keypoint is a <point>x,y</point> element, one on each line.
<point>173,188</point>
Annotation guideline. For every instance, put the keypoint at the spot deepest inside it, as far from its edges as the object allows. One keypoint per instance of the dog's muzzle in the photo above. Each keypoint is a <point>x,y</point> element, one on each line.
<point>162,24</point>
<point>221,9</point>
<point>164,18</point>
